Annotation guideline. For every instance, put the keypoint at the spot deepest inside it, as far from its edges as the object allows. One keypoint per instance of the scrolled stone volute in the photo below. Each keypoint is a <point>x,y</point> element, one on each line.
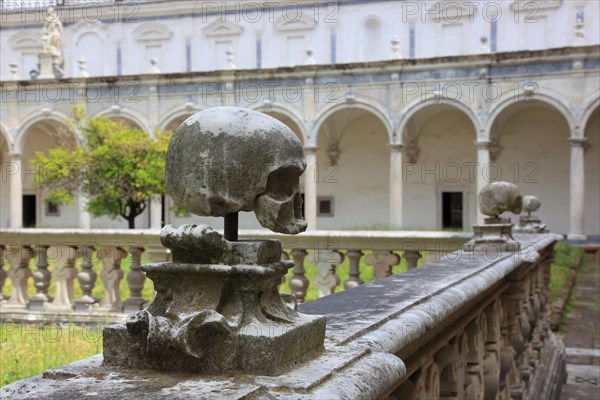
<point>228,159</point>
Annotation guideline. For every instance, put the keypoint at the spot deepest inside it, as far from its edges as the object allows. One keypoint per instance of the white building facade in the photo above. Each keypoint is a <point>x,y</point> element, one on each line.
<point>404,111</point>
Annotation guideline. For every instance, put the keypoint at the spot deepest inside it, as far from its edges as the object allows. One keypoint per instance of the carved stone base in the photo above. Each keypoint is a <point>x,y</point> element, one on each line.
<point>38,303</point>
<point>215,318</point>
<point>531,224</point>
<point>46,68</point>
<point>494,235</point>
<point>85,303</point>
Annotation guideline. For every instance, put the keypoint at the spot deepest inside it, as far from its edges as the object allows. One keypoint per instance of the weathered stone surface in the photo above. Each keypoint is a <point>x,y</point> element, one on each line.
<point>331,376</point>
<point>217,307</point>
<point>369,328</point>
<point>498,197</point>
<point>227,159</point>
<point>215,318</point>
<point>496,234</point>
<point>199,244</point>
<point>531,203</point>
<point>531,223</point>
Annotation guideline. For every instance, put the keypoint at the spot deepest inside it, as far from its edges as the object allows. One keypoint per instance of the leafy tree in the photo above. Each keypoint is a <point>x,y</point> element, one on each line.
<point>117,168</point>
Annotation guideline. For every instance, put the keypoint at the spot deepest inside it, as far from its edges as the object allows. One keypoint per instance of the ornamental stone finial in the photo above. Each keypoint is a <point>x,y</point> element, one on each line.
<point>217,307</point>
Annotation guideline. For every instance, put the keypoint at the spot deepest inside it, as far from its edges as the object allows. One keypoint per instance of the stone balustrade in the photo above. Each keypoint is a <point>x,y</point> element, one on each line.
<point>61,249</point>
<point>470,325</point>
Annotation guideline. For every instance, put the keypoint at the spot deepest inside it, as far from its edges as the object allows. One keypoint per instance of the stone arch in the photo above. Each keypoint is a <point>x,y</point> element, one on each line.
<point>287,112</point>
<point>352,166</point>
<point>544,98</point>
<point>4,133</point>
<point>372,107</point>
<point>127,115</point>
<point>179,113</point>
<point>419,105</point>
<point>43,116</point>
<point>530,148</point>
<point>439,156</point>
<point>590,129</point>
<point>591,107</point>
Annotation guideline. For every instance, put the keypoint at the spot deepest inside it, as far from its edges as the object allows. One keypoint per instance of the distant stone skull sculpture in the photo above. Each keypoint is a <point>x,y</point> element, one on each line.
<point>531,204</point>
<point>498,197</point>
<point>253,164</point>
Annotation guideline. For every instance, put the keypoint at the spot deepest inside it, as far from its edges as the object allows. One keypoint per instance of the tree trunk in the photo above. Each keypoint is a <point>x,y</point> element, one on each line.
<point>131,222</point>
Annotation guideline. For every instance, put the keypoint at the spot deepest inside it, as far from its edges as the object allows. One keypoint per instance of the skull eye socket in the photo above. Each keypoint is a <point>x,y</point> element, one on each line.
<point>283,183</point>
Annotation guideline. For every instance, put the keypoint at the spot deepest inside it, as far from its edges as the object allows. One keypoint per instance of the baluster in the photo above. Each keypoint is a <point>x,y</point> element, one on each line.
<point>354,271</point>
<point>135,281</point>
<point>476,335</point>
<point>41,280</point>
<point>326,278</point>
<point>412,257</point>
<point>111,277</point>
<point>382,262</point>
<point>87,279</point>
<point>64,275</point>
<point>18,258</point>
<point>298,282</point>
<point>2,273</point>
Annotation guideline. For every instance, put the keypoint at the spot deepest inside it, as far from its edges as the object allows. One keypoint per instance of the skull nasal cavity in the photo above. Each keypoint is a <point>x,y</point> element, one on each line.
<point>281,184</point>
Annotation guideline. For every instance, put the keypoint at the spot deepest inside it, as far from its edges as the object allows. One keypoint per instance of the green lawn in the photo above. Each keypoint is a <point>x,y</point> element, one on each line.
<point>566,256</point>
<point>29,349</point>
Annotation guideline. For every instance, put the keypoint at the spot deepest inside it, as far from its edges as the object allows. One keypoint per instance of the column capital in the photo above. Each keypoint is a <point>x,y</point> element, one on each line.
<point>15,156</point>
<point>310,149</point>
<point>577,142</point>
<point>395,146</point>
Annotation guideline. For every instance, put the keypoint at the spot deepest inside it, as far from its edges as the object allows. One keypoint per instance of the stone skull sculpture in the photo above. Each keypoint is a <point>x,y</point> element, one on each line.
<point>227,159</point>
<point>531,203</point>
<point>498,197</point>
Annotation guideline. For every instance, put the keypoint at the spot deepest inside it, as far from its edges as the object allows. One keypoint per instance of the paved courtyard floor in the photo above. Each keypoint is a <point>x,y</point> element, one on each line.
<point>582,334</point>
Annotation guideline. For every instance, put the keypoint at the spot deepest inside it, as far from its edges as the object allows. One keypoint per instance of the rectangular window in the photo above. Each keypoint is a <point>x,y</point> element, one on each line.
<point>52,210</point>
<point>220,56</point>
<point>452,210</point>
<point>296,50</point>
<point>325,206</point>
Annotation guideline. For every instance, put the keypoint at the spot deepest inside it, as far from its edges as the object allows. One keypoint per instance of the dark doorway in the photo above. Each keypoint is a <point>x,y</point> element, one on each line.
<point>29,211</point>
<point>452,210</point>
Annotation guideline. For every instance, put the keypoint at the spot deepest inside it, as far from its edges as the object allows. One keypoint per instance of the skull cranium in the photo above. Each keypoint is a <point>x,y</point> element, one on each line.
<point>498,197</point>
<point>227,159</point>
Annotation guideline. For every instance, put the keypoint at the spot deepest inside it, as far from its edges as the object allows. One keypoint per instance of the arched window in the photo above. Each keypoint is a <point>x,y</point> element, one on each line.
<point>372,40</point>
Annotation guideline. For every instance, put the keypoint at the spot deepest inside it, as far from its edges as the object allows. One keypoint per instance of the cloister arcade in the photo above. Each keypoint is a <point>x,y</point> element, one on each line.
<point>378,155</point>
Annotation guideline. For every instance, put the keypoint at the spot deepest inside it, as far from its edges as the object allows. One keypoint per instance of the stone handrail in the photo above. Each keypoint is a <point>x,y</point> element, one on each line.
<point>60,248</point>
<point>473,325</point>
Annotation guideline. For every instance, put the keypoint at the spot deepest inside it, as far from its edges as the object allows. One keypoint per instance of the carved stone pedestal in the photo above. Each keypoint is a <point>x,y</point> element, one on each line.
<point>531,224</point>
<point>46,67</point>
<point>220,315</point>
<point>494,235</point>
